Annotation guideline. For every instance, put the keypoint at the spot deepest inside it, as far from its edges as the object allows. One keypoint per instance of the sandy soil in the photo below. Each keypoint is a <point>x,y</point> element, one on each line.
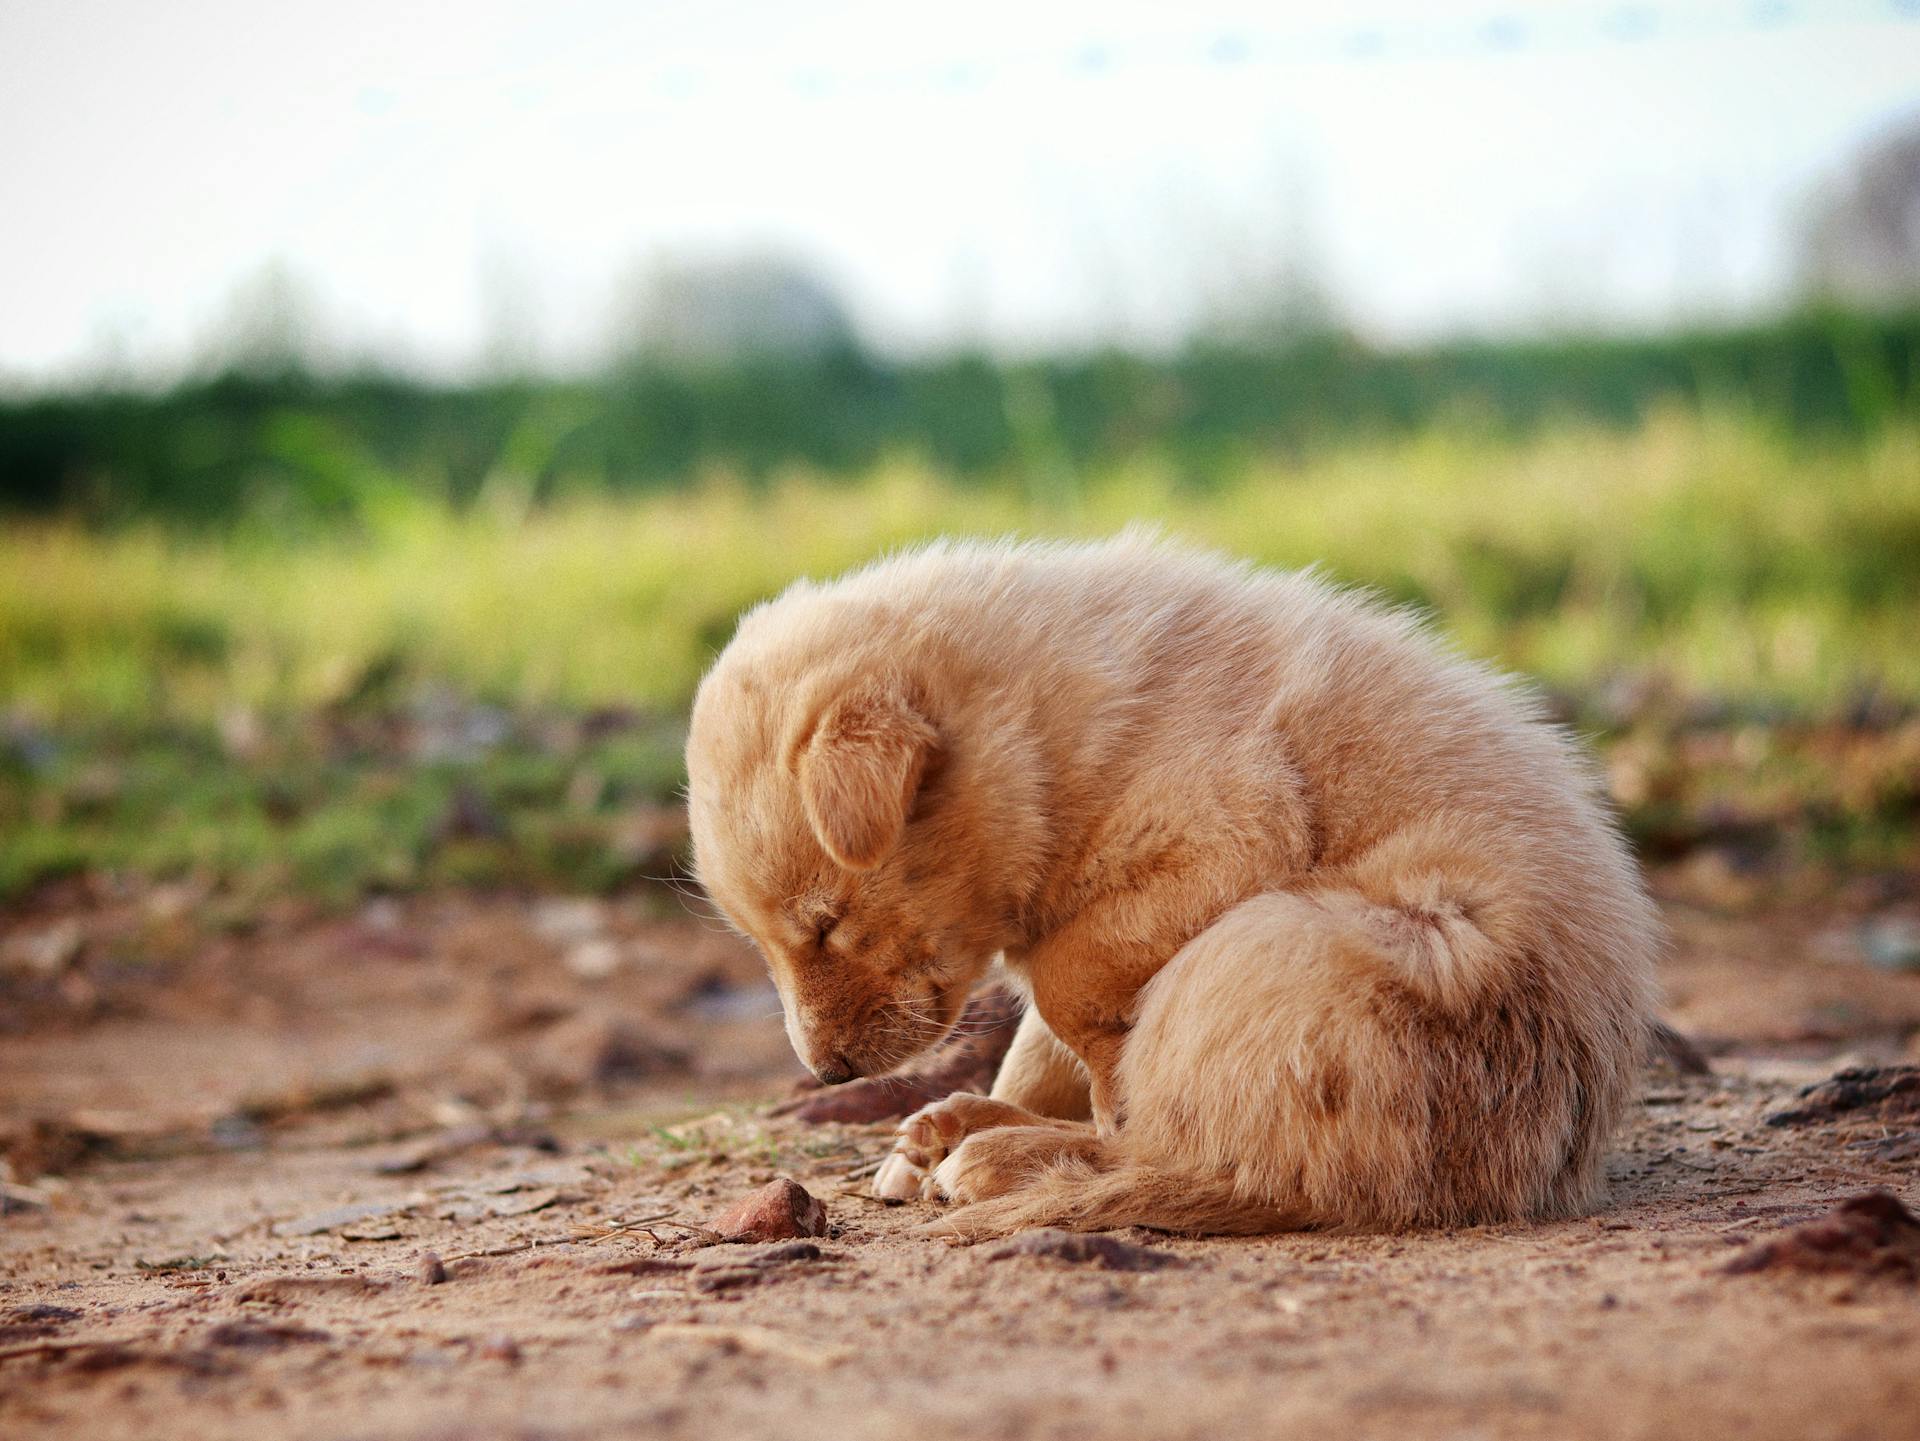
<point>234,1149</point>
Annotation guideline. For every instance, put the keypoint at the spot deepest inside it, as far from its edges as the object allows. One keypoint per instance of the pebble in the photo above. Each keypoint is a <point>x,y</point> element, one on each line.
<point>781,1210</point>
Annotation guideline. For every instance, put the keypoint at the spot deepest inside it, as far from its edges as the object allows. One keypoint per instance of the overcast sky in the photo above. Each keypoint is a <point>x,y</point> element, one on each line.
<point>446,178</point>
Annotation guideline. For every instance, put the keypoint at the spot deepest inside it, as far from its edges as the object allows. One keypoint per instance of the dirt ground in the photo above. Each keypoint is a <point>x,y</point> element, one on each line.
<point>305,1175</point>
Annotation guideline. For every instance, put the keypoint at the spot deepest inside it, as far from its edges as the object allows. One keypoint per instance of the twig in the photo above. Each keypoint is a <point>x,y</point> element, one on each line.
<point>593,1235</point>
<point>867,1196</point>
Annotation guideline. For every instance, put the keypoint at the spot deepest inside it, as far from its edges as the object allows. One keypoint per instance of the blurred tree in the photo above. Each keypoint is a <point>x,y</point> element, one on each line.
<point>269,328</point>
<point>1265,277</point>
<point>510,307</point>
<point>731,309</point>
<point>1862,244</point>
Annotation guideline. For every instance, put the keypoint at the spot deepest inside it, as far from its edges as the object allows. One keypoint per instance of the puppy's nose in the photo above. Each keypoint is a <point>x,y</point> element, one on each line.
<point>837,1070</point>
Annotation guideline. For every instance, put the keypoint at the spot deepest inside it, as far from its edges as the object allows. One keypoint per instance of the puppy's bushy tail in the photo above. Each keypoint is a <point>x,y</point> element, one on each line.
<point>1076,1195</point>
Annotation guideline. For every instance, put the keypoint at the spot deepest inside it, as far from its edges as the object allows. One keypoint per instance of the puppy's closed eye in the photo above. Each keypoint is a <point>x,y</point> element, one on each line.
<point>815,919</point>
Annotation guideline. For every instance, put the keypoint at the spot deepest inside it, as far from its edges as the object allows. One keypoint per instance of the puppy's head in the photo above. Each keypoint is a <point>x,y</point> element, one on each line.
<point>837,821</point>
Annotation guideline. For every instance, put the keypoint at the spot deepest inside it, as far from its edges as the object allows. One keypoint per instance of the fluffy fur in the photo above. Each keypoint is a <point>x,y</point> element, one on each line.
<point>1321,924</point>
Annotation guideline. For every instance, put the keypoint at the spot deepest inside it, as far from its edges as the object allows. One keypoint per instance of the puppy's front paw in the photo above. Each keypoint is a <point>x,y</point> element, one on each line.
<point>930,1135</point>
<point>998,1161</point>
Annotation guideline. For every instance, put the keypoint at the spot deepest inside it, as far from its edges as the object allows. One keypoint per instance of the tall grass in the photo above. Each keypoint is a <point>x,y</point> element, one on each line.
<point>1702,546</point>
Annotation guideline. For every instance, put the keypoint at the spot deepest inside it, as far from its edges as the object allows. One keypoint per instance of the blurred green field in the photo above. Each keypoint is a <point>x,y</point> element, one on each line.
<point>179,699</point>
<point>1701,548</point>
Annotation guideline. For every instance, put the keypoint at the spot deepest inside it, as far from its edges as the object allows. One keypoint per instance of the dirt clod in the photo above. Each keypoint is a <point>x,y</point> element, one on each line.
<point>259,1336</point>
<point>298,1288</point>
<point>1872,1234</point>
<point>1081,1249</point>
<point>781,1210</point>
<point>731,1272</point>
<point>1859,1093</point>
<point>48,1316</point>
<point>112,1356</point>
<point>43,1147</point>
<point>642,1266</point>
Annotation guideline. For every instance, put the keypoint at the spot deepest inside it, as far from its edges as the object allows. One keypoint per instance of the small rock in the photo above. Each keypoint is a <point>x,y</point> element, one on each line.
<point>1080,1248</point>
<point>781,1210</point>
<point>1872,1234</point>
<point>501,1348</point>
<point>566,919</point>
<point>594,960</point>
<point>1892,943</point>
<point>432,1270</point>
<point>47,951</point>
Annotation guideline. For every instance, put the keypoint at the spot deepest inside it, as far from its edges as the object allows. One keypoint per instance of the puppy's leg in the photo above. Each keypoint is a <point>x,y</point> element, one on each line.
<point>1041,1075</point>
<point>1087,988</point>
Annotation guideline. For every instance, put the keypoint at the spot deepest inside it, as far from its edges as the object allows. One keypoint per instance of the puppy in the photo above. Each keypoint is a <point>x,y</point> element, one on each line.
<point>1321,925</point>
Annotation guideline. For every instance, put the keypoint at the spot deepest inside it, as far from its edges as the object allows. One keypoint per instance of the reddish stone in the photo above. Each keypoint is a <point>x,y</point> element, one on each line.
<point>781,1210</point>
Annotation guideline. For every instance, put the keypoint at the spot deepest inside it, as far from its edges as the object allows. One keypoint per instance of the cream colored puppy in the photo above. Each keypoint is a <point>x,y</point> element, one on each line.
<point>1322,925</point>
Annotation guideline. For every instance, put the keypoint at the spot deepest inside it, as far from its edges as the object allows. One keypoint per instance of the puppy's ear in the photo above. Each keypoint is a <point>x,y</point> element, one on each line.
<point>859,767</point>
